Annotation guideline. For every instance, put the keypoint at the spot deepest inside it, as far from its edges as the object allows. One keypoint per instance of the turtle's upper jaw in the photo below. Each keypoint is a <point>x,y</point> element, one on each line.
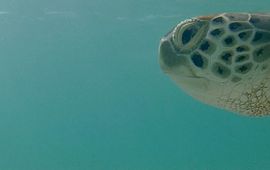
<point>178,44</point>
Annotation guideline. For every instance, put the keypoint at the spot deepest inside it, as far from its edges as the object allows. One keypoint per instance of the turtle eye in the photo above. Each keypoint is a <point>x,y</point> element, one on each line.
<point>188,34</point>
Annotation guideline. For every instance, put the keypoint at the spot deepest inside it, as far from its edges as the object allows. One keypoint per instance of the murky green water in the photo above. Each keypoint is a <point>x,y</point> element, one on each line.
<point>81,89</point>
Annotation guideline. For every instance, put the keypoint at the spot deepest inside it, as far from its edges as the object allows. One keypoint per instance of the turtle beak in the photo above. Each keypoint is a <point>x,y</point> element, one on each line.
<point>167,55</point>
<point>171,62</point>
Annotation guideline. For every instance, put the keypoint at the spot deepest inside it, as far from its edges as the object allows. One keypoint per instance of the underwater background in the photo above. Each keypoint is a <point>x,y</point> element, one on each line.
<point>81,89</point>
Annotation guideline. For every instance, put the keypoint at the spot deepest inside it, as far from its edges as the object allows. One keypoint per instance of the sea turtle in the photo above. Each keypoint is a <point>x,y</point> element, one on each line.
<point>222,60</point>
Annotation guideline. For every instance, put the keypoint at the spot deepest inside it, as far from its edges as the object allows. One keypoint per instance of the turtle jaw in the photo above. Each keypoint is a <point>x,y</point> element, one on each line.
<point>172,62</point>
<point>167,55</point>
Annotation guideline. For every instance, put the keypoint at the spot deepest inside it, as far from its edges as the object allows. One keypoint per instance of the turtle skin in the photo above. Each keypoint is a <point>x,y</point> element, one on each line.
<point>222,60</point>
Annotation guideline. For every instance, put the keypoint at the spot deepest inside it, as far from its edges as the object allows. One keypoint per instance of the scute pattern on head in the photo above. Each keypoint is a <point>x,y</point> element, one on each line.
<point>229,54</point>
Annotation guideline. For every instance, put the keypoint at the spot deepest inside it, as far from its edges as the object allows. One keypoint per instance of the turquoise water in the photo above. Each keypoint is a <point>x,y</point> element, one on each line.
<point>81,89</point>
